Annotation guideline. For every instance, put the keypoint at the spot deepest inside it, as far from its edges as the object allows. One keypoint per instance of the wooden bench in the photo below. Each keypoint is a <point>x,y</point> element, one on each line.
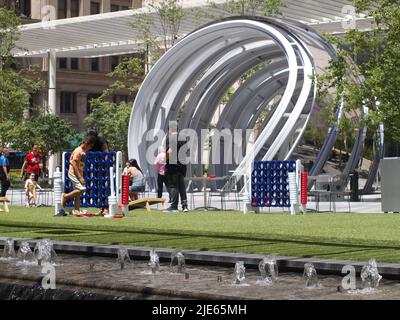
<point>4,201</point>
<point>145,202</point>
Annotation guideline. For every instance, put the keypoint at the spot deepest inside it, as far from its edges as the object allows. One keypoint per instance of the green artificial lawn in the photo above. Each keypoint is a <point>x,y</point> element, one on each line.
<point>331,236</point>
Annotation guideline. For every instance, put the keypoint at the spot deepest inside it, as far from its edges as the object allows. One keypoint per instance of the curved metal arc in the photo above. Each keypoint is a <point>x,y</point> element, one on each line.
<point>151,108</point>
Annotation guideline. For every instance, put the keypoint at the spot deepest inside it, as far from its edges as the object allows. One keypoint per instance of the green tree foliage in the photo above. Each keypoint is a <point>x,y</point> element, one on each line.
<point>14,85</point>
<point>377,57</point>
<point>112,119</point>
<point>52,133</point>
<point>49,131</point>
<point>266,8</point>
<point>9,34</point>
<point>157,39</point>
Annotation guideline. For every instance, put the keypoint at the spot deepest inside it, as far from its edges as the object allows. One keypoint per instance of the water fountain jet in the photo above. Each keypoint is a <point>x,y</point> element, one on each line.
<point>123,256</point>
<point>177,262</point>
<point>154,262</point>
<point>8,251</point>
<point>370,276</point>
<point>25,253</point>
<point>269,270</point>
<point>44,252</point>
<point>239,273</point>
<point>310,276</point>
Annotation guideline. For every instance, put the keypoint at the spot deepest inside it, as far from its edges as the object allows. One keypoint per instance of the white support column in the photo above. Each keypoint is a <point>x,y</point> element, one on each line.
<point>52,98</point>
<point>293,192</point>
<point>247,207</point>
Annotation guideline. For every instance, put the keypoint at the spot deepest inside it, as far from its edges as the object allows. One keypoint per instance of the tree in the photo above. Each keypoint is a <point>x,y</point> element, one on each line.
<point>377,57</point>
<point>250,7</point>
<point>17,130</point>
<point>112,119</point>
<point>52,133</point>
<point>14,85</point>
<point>157,39</point>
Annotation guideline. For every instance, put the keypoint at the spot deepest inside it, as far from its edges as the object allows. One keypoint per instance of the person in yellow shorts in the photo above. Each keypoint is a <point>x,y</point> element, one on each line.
<point>75,173</point>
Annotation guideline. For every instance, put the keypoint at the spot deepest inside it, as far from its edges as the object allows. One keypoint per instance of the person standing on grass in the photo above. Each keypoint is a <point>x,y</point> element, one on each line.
<point>75,173</point>
<point>175,170</point>
<point>4,172</point>
<point>160,163</point>
<point>100,145</point>
<point>33,163</point>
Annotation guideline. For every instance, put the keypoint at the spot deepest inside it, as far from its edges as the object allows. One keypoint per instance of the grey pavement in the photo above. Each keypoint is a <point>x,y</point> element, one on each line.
<point>367,203</point>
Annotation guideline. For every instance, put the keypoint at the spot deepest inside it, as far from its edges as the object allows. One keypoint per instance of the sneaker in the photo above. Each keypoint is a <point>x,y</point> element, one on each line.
<point>170,210</point>
<point>61,213</point>
<point>186,210</point>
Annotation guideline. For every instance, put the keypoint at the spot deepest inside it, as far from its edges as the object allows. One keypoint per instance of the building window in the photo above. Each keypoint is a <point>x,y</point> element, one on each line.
<point>62,9</point>
<point>90,96</point>
<point>114,8</point>
<point>74,64</point>
<point>95,64</point>
<point>68,102</point>
<point>114,62</point>
<point>25,8</point>
<point>74,8</point>
<point>94,7</point>
<point>120,99</point>
<point>63,63</point>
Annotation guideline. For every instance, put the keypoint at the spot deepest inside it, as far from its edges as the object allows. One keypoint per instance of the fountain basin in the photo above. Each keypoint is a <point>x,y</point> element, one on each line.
<point>94,268</point>
<point>285,263</point>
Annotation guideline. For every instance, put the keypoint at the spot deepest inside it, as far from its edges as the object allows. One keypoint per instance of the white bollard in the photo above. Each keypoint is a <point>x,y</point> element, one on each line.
<point>112,204</point>
<point>57,190</point>
<point>112,199</point>
<point>247,207</point>
<point>293,192</point>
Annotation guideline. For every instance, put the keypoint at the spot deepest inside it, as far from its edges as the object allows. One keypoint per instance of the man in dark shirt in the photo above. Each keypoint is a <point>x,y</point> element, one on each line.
<point>4,172</point>
<point>101,143</point>
<point>175,171</point>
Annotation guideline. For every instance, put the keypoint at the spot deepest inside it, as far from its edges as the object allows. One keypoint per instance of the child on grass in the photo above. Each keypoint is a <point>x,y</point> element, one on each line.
<point>30,190</point>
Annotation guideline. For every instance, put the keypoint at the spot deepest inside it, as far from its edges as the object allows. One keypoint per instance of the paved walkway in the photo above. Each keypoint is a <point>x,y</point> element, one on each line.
<point>367,204</point>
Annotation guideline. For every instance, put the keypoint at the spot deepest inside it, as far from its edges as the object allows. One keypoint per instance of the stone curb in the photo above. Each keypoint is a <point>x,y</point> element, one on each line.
<point>285,263</point>
<point>126,289</point>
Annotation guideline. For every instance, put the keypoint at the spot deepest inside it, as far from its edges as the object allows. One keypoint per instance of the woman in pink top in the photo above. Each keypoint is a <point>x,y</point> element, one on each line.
<point>160,163</point>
